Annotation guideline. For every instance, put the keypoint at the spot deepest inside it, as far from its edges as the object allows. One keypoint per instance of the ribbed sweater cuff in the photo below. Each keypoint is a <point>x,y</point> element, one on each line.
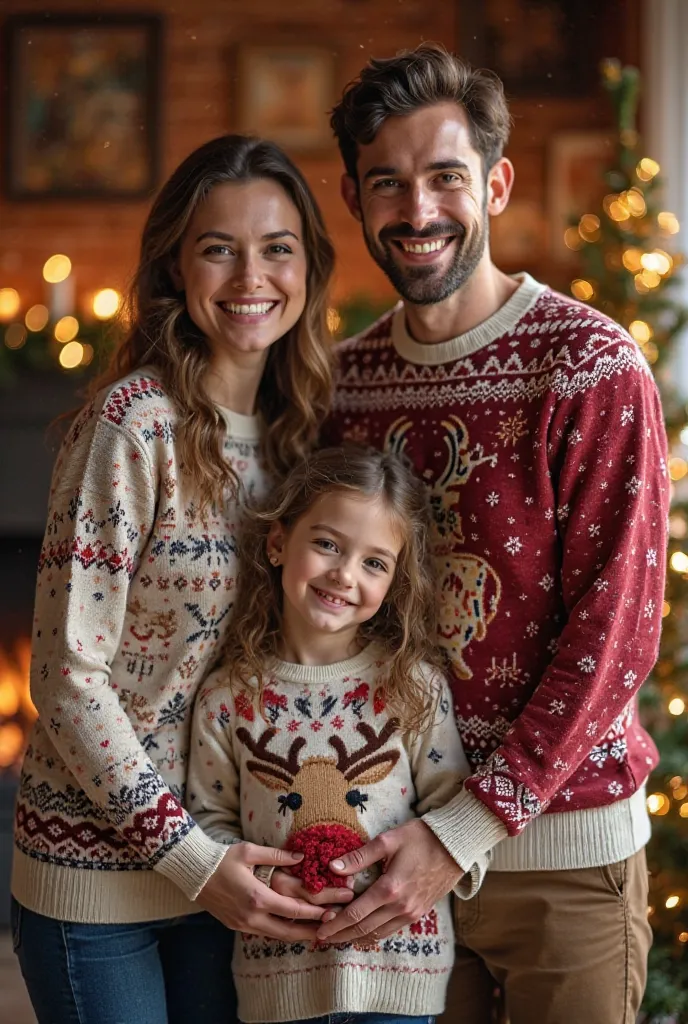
<point>192,861</point>
<point>467,829</point>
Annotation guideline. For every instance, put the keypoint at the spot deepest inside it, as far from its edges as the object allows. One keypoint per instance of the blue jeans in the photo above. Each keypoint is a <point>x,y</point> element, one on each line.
<point>158,972</point>
<point>365,1018</point>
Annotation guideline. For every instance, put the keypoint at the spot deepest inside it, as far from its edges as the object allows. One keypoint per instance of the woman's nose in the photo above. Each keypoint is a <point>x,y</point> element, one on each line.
<point>248,275</point>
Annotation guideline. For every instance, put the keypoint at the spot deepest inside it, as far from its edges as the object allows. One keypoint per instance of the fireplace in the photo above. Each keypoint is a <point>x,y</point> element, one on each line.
<point>28,405</point>
<point>18,559</point>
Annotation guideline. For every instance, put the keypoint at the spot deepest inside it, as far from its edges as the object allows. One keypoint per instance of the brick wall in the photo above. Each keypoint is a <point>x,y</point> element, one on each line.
<point>198,79</point>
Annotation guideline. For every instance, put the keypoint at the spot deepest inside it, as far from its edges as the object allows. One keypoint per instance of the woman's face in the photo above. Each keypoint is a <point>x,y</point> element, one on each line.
<point>242,266</point>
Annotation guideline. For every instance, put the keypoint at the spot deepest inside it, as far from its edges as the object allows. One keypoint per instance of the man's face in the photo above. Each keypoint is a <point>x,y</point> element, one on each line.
<point>423,202</point>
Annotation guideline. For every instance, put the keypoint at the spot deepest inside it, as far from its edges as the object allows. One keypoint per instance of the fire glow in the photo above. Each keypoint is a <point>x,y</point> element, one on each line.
<point>17,712</point>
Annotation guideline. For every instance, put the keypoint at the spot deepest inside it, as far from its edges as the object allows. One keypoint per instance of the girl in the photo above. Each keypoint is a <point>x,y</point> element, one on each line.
<point>327,726</point>
<point>222,382</point>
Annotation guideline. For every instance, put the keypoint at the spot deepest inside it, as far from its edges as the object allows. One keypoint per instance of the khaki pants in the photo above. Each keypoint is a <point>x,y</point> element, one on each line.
<point>566,947</point>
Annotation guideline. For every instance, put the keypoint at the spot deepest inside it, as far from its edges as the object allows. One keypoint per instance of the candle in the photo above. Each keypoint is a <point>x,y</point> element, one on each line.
<point>59,279</point>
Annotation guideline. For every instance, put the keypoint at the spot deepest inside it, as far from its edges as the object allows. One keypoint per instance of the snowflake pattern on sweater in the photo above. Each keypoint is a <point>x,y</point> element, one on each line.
<point>134,592</point>
<point>540,437</point>
<point>322,768</point>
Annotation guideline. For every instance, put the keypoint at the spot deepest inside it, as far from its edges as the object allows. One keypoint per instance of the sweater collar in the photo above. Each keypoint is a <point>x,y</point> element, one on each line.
<point>503,320</point>
<point>294,673</point>
<point>246,428</point>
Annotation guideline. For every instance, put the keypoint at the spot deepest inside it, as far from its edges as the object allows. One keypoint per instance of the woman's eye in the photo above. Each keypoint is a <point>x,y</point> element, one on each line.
<point>217,250</point>
<point>279,249</point>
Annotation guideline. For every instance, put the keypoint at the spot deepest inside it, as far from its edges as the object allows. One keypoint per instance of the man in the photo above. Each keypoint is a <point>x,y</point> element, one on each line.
<point>536,424</point>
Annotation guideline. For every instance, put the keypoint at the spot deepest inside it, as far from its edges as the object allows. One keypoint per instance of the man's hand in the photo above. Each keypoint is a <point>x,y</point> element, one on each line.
<point>242,902</point>
<point>418,872</point>
<point>287,885</point>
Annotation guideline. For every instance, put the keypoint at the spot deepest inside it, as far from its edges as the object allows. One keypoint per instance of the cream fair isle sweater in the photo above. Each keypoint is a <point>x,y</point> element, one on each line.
<point>134,593</point>
<point>324,759</point>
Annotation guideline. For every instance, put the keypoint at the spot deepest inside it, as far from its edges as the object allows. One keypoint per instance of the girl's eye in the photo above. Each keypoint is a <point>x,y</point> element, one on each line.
<point>327,545</point>
<point>376,565</point>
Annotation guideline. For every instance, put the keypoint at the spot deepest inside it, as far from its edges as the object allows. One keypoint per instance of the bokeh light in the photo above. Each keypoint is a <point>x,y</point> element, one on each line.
<point>106,302</point>
<point>57,268</point>
<point>71,355</point>
<point>37,318</point>
<point>9,303</point>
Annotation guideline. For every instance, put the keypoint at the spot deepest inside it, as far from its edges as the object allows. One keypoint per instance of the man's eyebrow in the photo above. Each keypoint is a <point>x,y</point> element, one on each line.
<point>282,233</point>
<point>436,165</point>
<point>379,172</point>
<point>343,536</point>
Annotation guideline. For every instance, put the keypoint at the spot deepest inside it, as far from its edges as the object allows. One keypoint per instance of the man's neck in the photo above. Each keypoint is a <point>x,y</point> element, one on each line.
<point>479,298</point>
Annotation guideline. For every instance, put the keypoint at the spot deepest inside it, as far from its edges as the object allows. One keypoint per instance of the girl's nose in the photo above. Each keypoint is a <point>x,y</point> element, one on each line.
<point>342,575</point>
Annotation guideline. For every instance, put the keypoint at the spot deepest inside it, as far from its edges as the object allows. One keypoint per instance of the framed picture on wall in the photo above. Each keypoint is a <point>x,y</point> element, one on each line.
<point>81,106</point>
<point>284,93</point>
<point>537,47</point>
<point>576,167</point>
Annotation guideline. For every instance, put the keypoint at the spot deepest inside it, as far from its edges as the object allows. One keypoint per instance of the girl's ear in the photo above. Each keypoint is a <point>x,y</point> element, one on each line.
<point>275,543</point>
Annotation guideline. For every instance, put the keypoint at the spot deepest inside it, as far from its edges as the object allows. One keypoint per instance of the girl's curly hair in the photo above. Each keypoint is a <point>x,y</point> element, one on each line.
<point>405,624</point>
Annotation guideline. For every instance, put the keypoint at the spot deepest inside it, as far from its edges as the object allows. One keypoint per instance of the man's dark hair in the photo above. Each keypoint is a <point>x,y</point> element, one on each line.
<point>413,79</point>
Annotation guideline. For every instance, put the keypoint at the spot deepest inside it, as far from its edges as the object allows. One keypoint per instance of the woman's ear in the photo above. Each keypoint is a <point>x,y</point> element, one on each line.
<point>176,275</point>
<point>275,543</point>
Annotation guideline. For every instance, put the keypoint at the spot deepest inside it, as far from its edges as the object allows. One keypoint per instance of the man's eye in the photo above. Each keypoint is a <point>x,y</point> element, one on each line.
<point>386,183</point>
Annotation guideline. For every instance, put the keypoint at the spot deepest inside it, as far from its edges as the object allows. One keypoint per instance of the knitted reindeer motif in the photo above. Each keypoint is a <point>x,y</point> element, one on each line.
<point>470,589</point>
<point>324,794</point>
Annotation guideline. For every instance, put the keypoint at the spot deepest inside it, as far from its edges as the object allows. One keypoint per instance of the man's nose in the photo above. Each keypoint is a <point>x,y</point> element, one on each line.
<point>420,207</point>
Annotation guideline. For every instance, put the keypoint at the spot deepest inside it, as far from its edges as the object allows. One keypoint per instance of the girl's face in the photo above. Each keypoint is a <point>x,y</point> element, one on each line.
<point>338,562</point>
<point>242,266</point>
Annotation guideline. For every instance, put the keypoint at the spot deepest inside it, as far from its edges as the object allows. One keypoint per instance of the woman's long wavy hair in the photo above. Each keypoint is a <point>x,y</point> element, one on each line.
<point>405,624</point>
<point>295,389</point>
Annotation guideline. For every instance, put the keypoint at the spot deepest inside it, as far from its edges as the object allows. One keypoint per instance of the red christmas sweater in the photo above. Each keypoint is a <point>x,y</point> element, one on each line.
<point>539,434</point>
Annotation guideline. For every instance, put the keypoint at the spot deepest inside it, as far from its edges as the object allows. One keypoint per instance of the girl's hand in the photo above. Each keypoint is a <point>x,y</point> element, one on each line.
<point>243,903</point>
<point>286,884</point>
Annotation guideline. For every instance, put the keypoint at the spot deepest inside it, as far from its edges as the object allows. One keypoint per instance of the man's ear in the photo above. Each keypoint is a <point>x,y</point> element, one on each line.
<point>500,182</point>
<point>349,191</point>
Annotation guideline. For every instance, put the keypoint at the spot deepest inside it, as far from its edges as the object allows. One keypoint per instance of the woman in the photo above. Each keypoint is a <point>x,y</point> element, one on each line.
<point>221,383</point>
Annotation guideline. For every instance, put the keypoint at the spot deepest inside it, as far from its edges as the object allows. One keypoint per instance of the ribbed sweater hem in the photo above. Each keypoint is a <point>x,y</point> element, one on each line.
<point>347,988</point>
<point>96,896</point>
<point>577,839</point>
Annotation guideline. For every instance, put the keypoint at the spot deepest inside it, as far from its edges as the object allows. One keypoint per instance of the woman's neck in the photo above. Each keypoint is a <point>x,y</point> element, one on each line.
<point>233,382</point>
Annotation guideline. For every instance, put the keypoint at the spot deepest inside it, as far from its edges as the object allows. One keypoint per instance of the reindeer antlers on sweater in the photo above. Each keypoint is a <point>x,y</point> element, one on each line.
<point>285,767</point>
<point>349,763</point>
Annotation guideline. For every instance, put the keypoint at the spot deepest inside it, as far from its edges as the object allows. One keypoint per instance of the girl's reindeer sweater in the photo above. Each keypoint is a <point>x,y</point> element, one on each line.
<point>321,767</point>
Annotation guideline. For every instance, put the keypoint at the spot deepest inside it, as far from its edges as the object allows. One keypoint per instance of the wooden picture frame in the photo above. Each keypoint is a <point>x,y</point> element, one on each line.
<point>284,93</point>
<point>576,166</point>
<point>81,97</point>
<point>537,47</point>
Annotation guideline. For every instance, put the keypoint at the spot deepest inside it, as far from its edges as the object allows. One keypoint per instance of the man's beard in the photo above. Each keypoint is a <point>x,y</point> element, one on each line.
<point>425,285</point>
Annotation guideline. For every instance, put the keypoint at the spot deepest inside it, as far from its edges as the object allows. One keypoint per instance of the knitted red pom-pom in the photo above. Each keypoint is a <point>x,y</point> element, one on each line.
<point>320,844</point>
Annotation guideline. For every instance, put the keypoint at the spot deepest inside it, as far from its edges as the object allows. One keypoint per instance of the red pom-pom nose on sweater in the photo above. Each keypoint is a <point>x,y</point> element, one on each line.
<point>320,844</point>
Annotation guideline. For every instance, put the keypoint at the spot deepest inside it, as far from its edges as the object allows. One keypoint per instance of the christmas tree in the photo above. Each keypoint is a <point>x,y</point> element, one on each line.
<point>629,271</point>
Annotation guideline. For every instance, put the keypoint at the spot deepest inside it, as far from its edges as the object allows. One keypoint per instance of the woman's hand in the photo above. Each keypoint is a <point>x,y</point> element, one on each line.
<point>234,896</point>
<point>286,884</point>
